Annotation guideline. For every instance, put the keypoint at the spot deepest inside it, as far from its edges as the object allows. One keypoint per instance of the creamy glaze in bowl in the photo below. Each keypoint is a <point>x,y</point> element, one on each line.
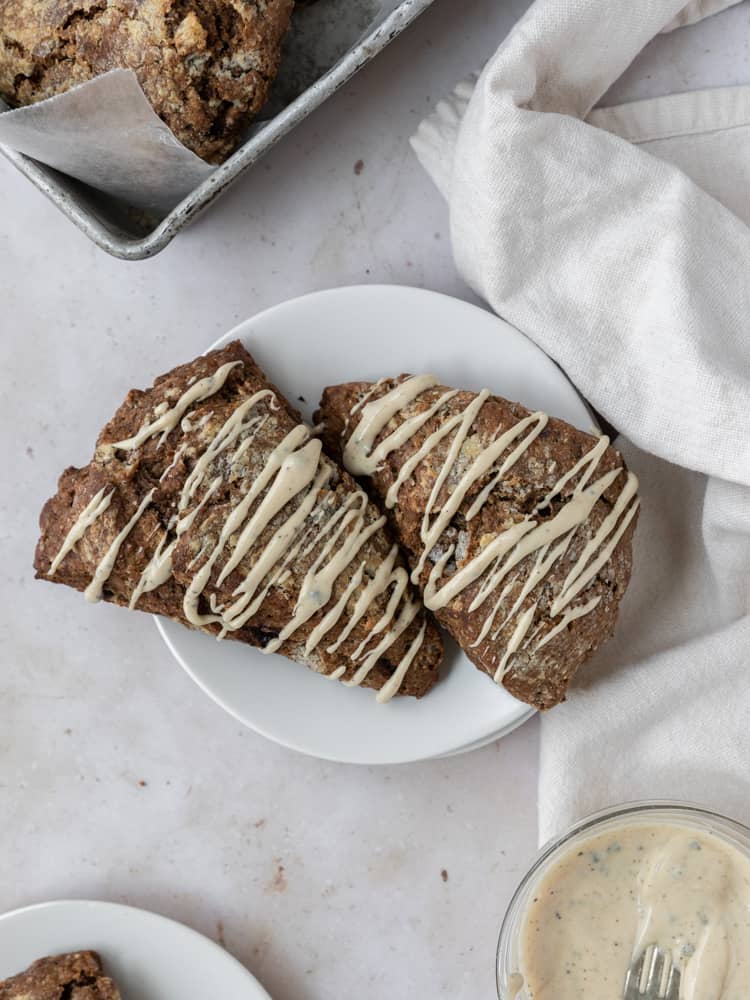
<point>628,877</point>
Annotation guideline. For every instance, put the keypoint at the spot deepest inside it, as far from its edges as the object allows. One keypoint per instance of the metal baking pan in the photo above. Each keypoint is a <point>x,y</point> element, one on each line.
<point>328,43</point>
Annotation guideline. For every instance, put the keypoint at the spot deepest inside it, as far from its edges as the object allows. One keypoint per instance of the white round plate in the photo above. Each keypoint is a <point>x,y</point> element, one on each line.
<point>344,335</point>
<point>149,956</point>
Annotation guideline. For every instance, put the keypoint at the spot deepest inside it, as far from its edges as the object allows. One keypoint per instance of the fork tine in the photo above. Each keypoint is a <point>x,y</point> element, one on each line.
<point>655,972</point>
<point>673,986</point>
<point>632,988</point>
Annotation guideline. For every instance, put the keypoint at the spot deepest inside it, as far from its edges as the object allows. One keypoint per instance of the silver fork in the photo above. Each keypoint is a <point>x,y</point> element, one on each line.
<point>652,976</point>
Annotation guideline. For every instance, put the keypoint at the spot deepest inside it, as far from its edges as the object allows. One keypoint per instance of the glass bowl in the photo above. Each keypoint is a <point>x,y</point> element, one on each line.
<point>509,986</point>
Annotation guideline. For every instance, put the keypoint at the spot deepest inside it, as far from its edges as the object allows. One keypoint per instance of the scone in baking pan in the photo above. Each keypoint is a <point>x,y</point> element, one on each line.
<point>327,44</point>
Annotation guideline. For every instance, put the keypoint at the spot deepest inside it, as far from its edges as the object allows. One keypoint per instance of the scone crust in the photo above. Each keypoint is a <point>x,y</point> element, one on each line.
<point>206,67</point>
<point>540,678</point>
<point>164,467</point>
<point>75,976</point>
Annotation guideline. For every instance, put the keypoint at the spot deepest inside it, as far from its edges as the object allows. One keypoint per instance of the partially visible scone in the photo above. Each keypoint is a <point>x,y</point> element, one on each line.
<point>76,976</point>
<point>518,526</point>
<point>205,65</point>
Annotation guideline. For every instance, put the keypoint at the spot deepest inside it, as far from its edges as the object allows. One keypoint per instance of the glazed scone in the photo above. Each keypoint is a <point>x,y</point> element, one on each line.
<point>209,501</point>
<point>76,976</point>
<point>517,525</point>
<point>205,65</point>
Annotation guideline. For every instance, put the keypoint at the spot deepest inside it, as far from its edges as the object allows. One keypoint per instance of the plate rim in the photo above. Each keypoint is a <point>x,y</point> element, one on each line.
<point>289,744</point>
<point>87,902</point>
<point>239,330</point>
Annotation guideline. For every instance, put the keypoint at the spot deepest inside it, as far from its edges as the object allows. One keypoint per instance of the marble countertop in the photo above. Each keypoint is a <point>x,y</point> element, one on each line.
<point>119,779</point>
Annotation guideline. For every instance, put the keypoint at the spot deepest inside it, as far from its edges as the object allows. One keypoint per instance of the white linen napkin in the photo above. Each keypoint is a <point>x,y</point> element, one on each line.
<point>618,241</point>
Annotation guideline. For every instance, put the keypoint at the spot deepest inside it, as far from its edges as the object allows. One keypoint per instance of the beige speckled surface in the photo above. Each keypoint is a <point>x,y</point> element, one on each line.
<point>118,778</point>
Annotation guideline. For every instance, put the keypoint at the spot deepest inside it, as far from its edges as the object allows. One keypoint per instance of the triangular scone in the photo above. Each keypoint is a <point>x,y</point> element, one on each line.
<point>518,526</point>
<point>210,502</point>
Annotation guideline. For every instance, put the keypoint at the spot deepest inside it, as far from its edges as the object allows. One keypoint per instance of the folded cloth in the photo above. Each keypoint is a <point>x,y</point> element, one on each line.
<point>618,241</point>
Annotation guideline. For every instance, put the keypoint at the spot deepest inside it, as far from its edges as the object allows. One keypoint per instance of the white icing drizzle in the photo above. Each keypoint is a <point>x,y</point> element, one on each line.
<point>409,612</point>
<point>317,586</point>
<point>567,618</point>
<point>159,568</point>
<point>225,437</point>
<point>179,452</point>
<point>394,682</point>
<point>517,542</point>
<point>102,573</point>
<point>375,415</point>
<point>168,420</point>
<point>380,582</point>
<point>187,425</point>
<point>295,470</point>
<point>358,406</point>
<point>410,465</point>
<point>586,566</point>
<point>94,509</point>
<point>548,539</point>
<point>514,643</point>
<point>292,472</point>
<point>157,571</point>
